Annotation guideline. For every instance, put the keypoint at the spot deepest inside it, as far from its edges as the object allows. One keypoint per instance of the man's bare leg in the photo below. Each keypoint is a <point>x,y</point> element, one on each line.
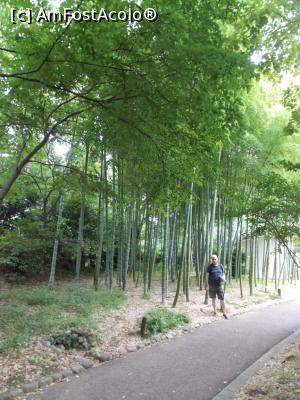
<point>214,306</point>
<point>222,302</point>
<point>223,309</point>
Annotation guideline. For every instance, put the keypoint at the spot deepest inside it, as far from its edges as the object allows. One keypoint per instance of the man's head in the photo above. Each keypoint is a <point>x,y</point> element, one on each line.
<point>214,259</point>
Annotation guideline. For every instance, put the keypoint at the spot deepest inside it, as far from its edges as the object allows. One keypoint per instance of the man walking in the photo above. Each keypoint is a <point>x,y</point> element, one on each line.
<point>215,280</point>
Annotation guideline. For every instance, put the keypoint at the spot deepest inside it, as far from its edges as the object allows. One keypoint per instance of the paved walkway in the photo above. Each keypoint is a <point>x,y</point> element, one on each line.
<point>196,366</point>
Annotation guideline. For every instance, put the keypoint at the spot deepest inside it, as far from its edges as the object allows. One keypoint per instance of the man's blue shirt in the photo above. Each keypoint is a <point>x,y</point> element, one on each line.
<point>215,272</point>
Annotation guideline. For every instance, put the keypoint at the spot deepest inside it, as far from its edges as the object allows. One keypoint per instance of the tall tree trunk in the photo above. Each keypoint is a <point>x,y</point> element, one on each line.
<point>189,247</point>
<point>111,255</point>
<point>120,223</point>
<point>153,252</point>
<point>165,269</point>
<point>197,240</point>
<point>212,221</point>
<point>255,269</point>
<point>225,236</point>
<point>59,222</point>
<point>275,266</point>
<point>267,262</point>
<point>207,225</point>
<point>251,265</point>
<point>134,236</point>
<point>109,247</point>
<point>81,217</point>
<point>127,248</point>
<point>57,233</point>
<point>240,269</point>
<point>227,246</point>
<point>145,260</point>
<point>207,249</point>
<point>182,258</point>
<point>202,248</point>
<point>132,258</point>
<point>247,246</point>
<point>219,226</point>
<point>172,252</point>
<point>100,219</point>
<point>263,260</point>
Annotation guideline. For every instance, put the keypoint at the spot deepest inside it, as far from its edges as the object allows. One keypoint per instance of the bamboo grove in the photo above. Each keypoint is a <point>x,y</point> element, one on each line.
<point>140,234</point>
<point>137,151</point>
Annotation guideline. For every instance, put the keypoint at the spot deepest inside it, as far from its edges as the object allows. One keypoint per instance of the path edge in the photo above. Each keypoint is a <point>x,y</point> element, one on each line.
<point>230,390</point>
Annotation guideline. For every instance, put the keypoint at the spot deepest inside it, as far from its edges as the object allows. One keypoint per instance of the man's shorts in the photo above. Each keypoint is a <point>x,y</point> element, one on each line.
<point>216,291</point>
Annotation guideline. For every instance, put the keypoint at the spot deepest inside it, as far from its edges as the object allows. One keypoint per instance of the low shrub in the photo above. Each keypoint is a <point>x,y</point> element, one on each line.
<point>161,320</point>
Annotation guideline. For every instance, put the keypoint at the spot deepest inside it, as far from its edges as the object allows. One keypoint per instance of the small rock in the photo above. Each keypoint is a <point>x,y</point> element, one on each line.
<point>77,368</point>
<point>131,348</point>
<point>56,376</point>
<point>134,332</point>
<point>30,387</point>
<point>66,373</point>
<point>45,381</point>
<point>290,357</point>
<point>86,363</point>
<point>16,392</point>
<point>78,332</point>
<point>46,342</point>
<point>256,391</point>
<point>56,350</point>
<point>169,336</point>
<point>86,346</point>
<point>80,340</point>
<point>92,353</point>
<point>6,396</point>
<point>104,357</point>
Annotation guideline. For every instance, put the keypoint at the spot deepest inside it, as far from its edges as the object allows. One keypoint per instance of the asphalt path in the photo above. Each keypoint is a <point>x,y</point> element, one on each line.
<point>195,366</point>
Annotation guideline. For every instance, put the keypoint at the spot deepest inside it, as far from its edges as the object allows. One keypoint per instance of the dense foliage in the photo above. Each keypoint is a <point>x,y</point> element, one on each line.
<point>176,145</point>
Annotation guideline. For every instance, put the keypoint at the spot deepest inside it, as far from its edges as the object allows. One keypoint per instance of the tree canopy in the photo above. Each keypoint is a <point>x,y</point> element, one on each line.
<point>183,120</point>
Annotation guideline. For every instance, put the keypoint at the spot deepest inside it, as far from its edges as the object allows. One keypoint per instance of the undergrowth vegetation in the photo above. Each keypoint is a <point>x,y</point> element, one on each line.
<point>162,319</point>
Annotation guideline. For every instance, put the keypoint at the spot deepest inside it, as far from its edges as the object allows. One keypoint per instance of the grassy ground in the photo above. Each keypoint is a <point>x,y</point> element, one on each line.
<point>32,312</point>
<point>25,312</point>
<point>279,379</point>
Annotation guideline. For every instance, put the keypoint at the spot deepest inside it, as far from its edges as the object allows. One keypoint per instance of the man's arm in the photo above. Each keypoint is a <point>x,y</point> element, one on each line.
<point>223,277</point>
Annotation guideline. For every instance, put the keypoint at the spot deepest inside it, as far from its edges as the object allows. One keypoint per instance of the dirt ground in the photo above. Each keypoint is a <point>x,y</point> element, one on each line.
<point>117,331</point>
<point>279,379</point>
